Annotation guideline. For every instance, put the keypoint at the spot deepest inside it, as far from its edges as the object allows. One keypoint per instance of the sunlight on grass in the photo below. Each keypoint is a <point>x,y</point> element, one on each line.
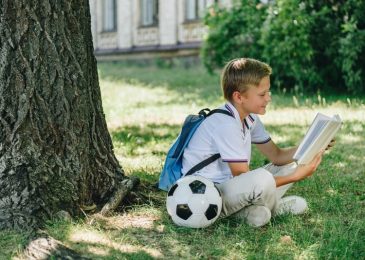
<point>304,116</point>
<point>112,236</point>
<point>311,252</point>
<point>145,107</point>
<point>351,139</point>
<point>131,221</point>
<point>137,104</point>
<point>94,239</point>
<point>148,166</point>
<point>332,192</point>
<point>283,245</point>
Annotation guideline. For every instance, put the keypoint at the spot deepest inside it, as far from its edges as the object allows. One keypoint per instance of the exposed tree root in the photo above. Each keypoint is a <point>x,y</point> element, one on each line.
<point>124,187</point>
<point>46,247</point>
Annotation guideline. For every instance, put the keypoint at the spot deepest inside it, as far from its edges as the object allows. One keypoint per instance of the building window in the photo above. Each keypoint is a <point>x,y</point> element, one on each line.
<point>149,12</point>
<point>109,15</point>
<point>221,2</point>
<point>194,9</point>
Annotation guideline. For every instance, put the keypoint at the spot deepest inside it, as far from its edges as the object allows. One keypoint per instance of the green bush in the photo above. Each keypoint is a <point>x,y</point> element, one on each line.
<point>313,45</point>
<point>233,33</point>
<point>351,57</point>
<point>285,37</point>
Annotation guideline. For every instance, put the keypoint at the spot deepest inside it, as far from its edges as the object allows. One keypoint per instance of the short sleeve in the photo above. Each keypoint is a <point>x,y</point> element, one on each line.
<point>259,135</point>
<point>231,143</point>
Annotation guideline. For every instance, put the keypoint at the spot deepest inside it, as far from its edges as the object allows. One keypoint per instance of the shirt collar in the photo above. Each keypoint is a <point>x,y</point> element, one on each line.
<point>247,122</point>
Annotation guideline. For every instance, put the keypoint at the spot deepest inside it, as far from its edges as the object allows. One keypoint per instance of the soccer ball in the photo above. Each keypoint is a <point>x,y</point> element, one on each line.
<point>194,201</point>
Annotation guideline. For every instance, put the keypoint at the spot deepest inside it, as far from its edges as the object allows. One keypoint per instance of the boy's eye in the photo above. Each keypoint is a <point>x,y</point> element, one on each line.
<point>264,94</point>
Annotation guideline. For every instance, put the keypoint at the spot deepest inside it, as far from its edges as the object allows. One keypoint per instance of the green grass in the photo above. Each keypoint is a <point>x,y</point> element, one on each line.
<point>11,243</point>
<point>145,107</point>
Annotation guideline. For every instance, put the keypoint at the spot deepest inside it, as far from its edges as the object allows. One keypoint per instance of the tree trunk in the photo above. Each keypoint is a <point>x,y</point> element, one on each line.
<point>55,149</point>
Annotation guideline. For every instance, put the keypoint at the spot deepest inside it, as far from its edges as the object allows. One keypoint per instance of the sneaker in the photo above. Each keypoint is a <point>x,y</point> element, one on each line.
<point>291,204</point>
<point>254,215</point>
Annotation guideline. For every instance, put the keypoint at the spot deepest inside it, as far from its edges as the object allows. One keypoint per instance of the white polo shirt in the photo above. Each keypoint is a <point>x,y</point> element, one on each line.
<point>228,136</point>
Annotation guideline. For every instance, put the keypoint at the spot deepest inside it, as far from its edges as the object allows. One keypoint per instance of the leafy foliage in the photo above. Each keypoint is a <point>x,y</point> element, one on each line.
<point>233,33</point>
<point>352,46</point>
<point>285,37</point>
<point>311,45</point>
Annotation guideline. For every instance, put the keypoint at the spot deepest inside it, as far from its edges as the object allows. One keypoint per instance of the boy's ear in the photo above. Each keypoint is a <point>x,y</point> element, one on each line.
<point>237,97</point>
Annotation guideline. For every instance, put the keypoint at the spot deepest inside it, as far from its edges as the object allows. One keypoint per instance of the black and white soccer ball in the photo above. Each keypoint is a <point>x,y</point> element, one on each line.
<point>194,202</point>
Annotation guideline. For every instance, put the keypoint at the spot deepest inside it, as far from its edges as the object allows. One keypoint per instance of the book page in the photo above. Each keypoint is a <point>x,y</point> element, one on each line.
<point>317,138</point>
<point>312,136</point>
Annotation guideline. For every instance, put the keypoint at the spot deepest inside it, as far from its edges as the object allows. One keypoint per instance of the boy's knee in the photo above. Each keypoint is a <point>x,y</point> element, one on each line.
<point>257,187</point>
<point>264,180</point>
<point>264,189</point>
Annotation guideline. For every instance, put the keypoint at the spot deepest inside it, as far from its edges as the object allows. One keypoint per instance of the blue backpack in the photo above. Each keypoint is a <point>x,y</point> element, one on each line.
<point>171,171</point>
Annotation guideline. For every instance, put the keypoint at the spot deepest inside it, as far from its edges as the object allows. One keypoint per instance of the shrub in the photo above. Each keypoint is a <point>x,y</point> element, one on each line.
<point>285,37</point>
<point>351,57</point>
<point>313,45</point>
<point>233,33</point>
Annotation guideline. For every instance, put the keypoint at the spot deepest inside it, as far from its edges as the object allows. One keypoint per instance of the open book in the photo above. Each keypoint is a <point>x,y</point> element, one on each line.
<point>317,138</point>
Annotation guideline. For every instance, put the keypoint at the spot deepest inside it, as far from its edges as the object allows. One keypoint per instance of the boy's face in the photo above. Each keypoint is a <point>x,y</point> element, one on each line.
<point>256,98</point>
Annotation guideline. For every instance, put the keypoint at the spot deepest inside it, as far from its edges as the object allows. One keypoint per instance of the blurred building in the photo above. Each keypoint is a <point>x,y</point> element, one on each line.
<point>148,28</point>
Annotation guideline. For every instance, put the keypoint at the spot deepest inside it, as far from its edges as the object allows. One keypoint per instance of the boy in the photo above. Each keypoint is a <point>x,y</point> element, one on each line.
<point>253,196</point>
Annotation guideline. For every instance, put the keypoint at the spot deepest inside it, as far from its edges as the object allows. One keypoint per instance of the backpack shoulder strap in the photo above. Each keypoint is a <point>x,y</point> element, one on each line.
<point>214,157</point>
<point>222,111</point>
<point>207,112</point>
<point>204,163</point>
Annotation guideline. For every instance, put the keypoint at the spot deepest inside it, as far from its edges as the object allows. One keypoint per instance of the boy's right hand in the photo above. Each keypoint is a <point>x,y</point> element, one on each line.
<point>304,171</point>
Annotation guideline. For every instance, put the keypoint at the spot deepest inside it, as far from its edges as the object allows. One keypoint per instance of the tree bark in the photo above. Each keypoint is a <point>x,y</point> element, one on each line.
<point>55,149</point>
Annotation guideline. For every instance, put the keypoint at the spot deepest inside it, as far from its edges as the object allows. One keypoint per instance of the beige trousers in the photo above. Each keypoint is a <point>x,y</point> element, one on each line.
<point>255,187</point>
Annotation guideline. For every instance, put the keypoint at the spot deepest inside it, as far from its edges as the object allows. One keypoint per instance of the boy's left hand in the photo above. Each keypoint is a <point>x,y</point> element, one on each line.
<point>331,144</point>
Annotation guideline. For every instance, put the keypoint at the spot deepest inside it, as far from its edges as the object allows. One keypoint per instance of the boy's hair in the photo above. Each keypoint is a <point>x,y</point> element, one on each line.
<point>239,74</point>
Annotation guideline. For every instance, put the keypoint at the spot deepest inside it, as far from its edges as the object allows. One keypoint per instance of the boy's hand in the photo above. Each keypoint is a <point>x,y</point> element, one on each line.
<point>331,144</point>
<point>304,171</point>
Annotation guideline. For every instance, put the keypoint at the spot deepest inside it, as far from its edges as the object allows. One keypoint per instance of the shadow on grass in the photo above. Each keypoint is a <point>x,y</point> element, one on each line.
<point>152,137</point>
<point>334,227</point>
<point>315,235</point>
<point>155,139</point>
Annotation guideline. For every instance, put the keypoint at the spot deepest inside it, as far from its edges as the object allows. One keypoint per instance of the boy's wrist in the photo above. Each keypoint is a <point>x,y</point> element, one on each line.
<point>282,180</point>
<point>296,176</point>
<point>301,173</point>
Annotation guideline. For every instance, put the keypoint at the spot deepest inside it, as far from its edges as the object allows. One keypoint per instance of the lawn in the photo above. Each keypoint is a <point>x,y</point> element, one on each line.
<point>145,107</point>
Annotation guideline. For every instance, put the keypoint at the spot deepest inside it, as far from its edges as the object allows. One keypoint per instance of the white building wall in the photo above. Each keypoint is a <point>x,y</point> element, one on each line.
<point>168,22</point>
<point>190,31</point>
<point>104,40</point>
<point>143,35</point>
<point>125,23</point>
<point>171,30</point>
